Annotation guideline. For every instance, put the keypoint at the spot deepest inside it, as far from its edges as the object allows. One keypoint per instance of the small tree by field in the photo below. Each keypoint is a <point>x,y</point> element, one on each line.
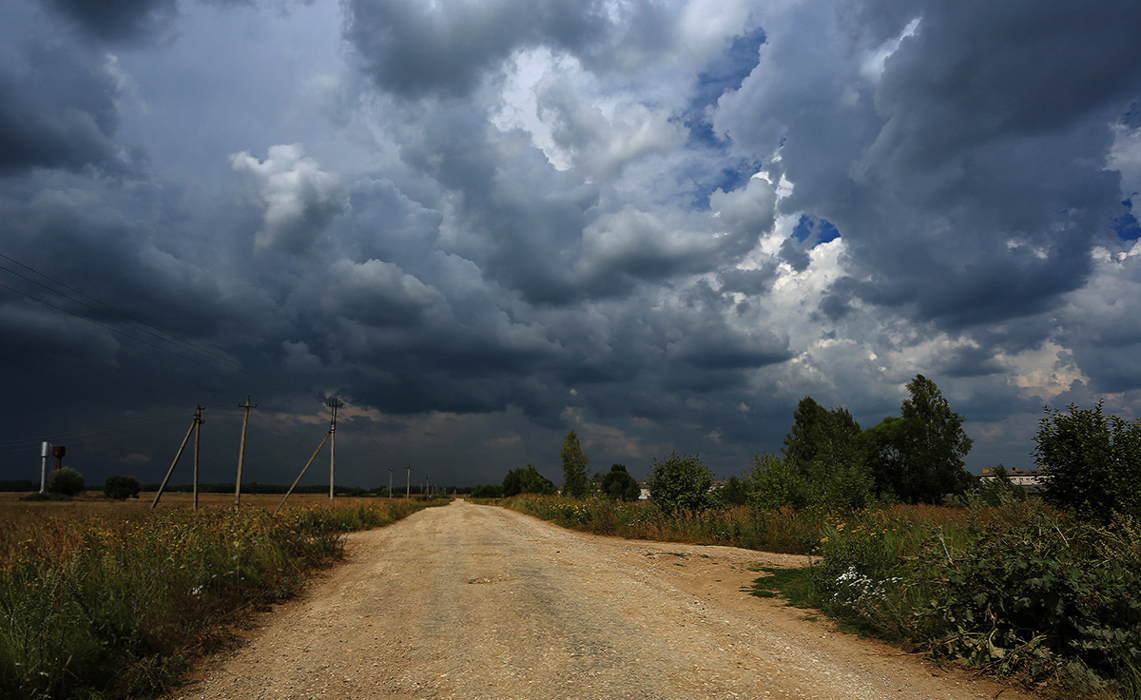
<point>618,485</point>
<point>487,491</point>
<point>576,478</point>
<point>527,480</point>
<point>680,483</point>
<point>121,487</point>
<point>66,482</point>
<point>735,492</point>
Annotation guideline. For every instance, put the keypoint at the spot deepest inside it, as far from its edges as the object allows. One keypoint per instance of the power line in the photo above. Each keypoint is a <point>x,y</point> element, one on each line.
<point>180,345</point>
<point>353,422</point>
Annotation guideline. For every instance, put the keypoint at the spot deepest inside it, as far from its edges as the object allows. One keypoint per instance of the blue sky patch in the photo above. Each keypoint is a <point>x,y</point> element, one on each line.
<point>1126,225</point>
<point>819,230</point>
<point>723,74</point>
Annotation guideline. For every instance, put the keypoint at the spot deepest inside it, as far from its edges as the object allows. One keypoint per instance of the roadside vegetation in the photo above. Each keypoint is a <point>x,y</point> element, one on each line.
<point>1041,587</point>
<point>116,604</point>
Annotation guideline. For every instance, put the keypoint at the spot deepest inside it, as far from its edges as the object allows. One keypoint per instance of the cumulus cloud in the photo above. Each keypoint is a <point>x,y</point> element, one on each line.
<point>598,146</point>
<point>298,200</point>
<point>381,294</point>
<point>962,160</point>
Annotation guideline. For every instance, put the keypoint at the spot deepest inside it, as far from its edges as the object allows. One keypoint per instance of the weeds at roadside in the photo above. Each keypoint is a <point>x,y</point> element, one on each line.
<point>1015,589</point>
<point>115,608</point>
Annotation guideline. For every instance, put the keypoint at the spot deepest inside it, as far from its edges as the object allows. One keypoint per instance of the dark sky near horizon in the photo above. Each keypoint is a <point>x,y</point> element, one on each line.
<point>482,224</point>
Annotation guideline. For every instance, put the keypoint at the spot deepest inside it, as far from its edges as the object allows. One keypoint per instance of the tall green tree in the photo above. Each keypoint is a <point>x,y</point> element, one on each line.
<point>819,433</point>
<point>1091,462</point>
<point>576,478</point>
<point>826,457</point>
<point>918,457</point>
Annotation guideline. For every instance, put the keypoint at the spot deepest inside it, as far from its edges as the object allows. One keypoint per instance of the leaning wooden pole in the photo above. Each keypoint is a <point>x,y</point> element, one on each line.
<point>175,462</point>
<point>242,452</point>
<point>315,453</point>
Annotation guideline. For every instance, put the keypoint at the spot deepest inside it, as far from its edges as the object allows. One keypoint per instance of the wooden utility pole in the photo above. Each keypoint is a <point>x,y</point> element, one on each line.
<point>333,404</point>
<point>390,482</point>
<point>197,438</point>
<point>242,452</point>
<point>181,448</point>
<point>408,491</point>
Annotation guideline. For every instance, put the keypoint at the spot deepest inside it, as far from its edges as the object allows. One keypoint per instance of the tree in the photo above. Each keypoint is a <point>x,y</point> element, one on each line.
<point>827,459</point>
<point>735,492</point>
<point>527,480</point>
<point>680,483</point>
<point>576,478</point>
<point>1091,462</point>
<point>918,457</point>
<point>618,485</point>
<point>820,434</point>
<point>883,446</point>
<point>66,482</point>
<point>487,491</point>
<point>121,487</point>
<point>775,482</point>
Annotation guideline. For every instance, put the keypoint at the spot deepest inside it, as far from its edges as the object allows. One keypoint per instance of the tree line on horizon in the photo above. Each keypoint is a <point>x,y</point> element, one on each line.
<point>1090,463</point>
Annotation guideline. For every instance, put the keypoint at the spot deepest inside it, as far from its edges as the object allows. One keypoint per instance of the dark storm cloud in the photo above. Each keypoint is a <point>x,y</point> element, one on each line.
<point>117,20</point>
<point>959,147</point>
<point>663,223</point>
<point>413,48</point>
<point>57,109</point>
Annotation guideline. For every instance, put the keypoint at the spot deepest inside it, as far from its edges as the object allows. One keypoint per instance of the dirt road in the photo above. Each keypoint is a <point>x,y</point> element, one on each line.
<point>476,602</point>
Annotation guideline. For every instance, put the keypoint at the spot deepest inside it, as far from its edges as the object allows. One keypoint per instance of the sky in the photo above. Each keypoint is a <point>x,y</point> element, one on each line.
<point>483,223</point>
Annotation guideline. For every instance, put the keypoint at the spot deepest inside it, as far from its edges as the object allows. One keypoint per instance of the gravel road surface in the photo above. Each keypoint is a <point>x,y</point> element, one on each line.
<point>475,602</point>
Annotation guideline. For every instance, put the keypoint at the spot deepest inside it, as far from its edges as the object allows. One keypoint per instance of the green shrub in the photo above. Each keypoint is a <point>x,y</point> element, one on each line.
<point>1016,590</point>
<point>618,485</point>
<point>1091,462</point>
<point>527,480</point>
<point>487,491</point>
<point>66,482</point>
<point>121,487</point>
<point>680,483</point>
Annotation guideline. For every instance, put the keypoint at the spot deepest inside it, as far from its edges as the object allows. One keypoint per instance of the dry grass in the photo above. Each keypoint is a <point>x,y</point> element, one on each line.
<point>109,599</point>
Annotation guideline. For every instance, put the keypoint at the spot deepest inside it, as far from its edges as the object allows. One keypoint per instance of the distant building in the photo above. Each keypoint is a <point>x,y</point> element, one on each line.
<point>1029,478</point>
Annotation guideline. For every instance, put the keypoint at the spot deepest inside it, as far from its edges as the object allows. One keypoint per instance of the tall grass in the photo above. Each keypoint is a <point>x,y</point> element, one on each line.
<point>784,530</point>
<point>105,607</point>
